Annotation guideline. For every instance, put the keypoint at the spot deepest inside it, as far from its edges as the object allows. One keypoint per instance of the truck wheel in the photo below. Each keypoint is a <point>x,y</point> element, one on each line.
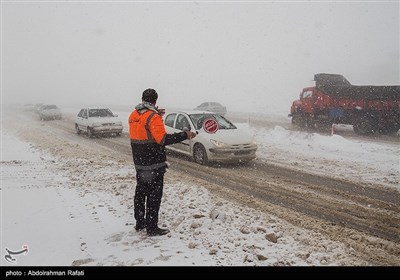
<point>364,126</point>
<point>299,121</point>
<point>389,128</point>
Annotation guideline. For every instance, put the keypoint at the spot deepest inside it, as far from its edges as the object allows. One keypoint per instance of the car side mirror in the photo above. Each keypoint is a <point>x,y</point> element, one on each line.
<point>116,116</point>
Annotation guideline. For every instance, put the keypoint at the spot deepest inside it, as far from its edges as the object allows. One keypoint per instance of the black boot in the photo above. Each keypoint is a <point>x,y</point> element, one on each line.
<point>157,231</point>
<point>139,227</point>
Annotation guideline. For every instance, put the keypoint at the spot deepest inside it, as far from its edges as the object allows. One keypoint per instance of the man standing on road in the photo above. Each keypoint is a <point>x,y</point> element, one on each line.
<point>148,141</point>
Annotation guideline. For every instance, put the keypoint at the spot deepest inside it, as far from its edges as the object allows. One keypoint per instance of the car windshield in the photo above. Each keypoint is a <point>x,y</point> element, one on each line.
<point>100,113</point>
<point>223,123</point>
<point>48,107</point>
<point>216,104</point>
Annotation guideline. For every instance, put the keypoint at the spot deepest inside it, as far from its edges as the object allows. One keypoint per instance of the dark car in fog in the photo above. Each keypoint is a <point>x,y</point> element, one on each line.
<point>212,107</point>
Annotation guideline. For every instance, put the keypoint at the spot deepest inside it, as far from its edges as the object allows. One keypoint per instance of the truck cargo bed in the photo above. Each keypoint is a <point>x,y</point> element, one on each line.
<point>337,86</point>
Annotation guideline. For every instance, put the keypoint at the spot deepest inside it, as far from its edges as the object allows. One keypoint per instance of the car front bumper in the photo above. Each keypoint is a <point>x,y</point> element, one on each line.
<point>231,154</point>
<point>50,115</point>
<point>107,129</point>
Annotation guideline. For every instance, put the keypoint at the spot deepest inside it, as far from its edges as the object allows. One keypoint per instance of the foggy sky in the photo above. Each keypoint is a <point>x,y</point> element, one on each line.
<point>246,55</point>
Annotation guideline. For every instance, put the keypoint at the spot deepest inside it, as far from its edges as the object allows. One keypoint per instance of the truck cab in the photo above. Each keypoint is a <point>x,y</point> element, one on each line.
<point>306,101</point>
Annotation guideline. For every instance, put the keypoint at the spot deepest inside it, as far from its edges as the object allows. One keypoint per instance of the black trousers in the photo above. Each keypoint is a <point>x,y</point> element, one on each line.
<point>148,194</point>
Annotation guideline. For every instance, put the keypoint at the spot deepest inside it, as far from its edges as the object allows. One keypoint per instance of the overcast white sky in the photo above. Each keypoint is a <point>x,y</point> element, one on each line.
<point>247,55</point>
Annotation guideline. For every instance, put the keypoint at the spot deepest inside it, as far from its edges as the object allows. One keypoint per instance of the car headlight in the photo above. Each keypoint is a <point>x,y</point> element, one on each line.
<point>218,144</point>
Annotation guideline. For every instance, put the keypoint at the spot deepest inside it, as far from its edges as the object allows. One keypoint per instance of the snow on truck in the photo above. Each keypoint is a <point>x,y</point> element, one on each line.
<point>334,100</point>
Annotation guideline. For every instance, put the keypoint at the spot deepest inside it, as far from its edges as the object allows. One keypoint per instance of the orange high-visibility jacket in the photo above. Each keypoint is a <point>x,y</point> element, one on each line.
<point>147,127</point>
<point>149,138</point>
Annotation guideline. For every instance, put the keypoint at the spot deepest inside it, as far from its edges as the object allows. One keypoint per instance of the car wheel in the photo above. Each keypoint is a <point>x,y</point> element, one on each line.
<point>200,154</point>
<point>78,131</point>
<point>90,132</point>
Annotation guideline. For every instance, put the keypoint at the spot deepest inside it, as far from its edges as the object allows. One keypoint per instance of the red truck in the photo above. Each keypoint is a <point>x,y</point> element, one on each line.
<point>334,100</point>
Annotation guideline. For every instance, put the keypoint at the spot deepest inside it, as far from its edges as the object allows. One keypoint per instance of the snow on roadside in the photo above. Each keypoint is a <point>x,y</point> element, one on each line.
<point>354,160</point>
<point>78,211</point>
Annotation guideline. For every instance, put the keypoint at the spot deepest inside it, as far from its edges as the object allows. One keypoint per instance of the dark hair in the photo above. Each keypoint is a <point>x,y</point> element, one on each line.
<point>150,95</point>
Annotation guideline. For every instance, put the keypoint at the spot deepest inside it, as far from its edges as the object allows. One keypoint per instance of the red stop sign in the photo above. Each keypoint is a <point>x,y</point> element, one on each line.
<point>210,125</point>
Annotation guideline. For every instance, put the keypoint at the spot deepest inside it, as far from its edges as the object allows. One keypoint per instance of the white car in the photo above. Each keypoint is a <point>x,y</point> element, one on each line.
<point>217,138</point>
<point>98,121</point>
<point>49,112</point>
